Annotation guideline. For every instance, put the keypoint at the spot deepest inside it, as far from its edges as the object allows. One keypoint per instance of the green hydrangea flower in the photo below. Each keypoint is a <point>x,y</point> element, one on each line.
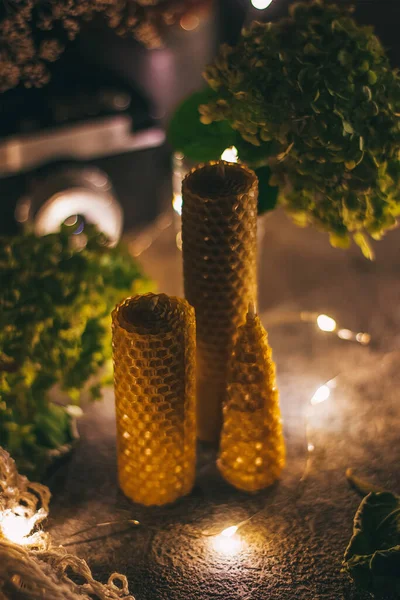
<point>55,329</point>
<point>320,88</point>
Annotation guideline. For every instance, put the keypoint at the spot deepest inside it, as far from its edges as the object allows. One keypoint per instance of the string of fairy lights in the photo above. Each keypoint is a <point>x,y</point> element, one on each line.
<point>228,541</point>
<point>21,529</point>
<point>261,4</point>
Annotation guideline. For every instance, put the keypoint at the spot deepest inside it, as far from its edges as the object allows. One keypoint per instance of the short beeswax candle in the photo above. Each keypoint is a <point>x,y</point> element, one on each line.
<point>252,450</point>
<point>219,244</point>
<point>154,345</point>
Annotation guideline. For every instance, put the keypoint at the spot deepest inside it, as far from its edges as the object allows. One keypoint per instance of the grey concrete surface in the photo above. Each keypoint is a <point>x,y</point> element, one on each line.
<point>293,545</point>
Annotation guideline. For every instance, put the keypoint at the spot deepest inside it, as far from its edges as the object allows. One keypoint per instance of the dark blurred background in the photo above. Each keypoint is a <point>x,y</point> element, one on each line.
<point>94,136</point>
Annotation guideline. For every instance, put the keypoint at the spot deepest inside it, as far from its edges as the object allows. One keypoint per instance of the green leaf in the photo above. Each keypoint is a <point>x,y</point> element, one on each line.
<point>372,558</point>
<point>55,308</point>
<point>347,127</point>
<point>367,92</point>
<point>267,194</point>
<point>322,81</point>
<point>52,426</point>
<point>363,244</point>
<point>372,77</point>
<point>302,78</point>
<point>253,156</point>
<point>339,241</point>
<point>282,155</point>
<point>197,141</point>
<point>344,58</point>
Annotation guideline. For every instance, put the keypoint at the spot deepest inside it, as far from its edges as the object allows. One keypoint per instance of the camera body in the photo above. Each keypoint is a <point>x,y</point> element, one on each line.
<point>83,145</point>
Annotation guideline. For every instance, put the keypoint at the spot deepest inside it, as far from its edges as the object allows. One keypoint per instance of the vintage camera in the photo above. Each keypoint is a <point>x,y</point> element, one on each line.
<point>83,148</point>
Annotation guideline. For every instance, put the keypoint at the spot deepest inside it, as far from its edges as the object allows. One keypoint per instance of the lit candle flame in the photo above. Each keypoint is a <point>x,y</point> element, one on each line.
<point>230,154</point>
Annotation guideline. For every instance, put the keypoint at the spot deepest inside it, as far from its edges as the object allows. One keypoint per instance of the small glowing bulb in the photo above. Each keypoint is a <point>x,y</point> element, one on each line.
<point>229,531</point>
<point>227,542</point>
<point>261,4</point>
<point>16,528</point>
<point>177,203</point>
<point>230,154</point>
<point>321,395</point>
<point>326,323</point>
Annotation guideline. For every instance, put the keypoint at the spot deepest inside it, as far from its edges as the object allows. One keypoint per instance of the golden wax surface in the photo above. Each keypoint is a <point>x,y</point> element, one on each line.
<point>154,346</point>
<point>252,450</point>
<point>219,245</point>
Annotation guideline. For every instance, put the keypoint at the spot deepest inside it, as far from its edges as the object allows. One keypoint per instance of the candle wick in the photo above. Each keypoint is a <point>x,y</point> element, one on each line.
<point>153,302</point>
<point>221,168</point>
<point>251,311</point>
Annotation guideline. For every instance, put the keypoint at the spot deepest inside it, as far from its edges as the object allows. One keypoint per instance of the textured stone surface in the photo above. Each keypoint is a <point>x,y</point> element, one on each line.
<point>293,549</point>
<point>154,346</point>
<point>219,243</point>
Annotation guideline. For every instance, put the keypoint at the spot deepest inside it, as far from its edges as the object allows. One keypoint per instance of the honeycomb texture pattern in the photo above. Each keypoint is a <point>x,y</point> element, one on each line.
<point>154,347</point>
<point>219,244</point>
<point>252,449</point>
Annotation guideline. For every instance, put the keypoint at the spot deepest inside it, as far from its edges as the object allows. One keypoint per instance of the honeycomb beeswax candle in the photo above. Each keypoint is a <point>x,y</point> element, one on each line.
<point>154,345</point>
<point>252,450</point>
<point>219,222</point>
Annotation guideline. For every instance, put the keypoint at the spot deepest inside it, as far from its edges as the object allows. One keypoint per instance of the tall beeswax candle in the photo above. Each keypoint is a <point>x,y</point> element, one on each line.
<point>252,451</point>
<point>219,231</point>
<point>154,346</point>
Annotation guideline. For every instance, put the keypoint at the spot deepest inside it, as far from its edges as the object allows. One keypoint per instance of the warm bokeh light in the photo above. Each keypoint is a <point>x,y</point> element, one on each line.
<point>230,154</point>
<point>189,22</point>
<point>346,334</point>
<point>261,4</point>
<point>326,323</point>
<point>178,240</point>
<point>177,203</point>
<point>322,394</point>
<point>363,338</point>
